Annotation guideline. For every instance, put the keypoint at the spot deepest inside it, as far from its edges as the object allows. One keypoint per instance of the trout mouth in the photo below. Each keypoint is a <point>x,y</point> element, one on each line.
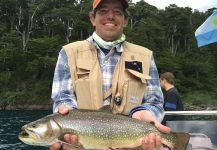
<point>26,135</point>
<point>23,133</point>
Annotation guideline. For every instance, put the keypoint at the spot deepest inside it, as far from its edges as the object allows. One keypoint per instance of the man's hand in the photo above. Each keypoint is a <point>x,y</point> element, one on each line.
<point>152,141</point>
<point>72,139</point>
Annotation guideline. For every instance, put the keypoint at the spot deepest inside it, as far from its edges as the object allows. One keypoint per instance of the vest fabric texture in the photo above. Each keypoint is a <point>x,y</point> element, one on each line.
<point>128,82</point>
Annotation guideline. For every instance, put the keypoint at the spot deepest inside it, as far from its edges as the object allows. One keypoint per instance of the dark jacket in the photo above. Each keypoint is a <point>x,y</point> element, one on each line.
<point>172,102</point>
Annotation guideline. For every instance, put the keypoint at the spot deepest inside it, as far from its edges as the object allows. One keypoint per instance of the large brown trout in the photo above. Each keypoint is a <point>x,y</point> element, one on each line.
<point>96,130</point>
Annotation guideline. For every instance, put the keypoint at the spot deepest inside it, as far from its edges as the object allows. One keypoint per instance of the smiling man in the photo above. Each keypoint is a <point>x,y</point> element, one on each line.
<point>107,70</point>
<point>109,19</point>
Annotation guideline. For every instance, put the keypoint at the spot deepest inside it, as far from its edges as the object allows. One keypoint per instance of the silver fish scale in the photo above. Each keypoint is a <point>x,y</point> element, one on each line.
<point>104,128</point>
<point>95,129</point>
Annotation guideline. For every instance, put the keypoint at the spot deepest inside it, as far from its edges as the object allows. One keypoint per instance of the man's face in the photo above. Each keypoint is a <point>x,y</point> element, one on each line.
<point>109,20</point>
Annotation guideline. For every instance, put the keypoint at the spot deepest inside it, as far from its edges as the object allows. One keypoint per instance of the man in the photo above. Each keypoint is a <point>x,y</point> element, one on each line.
<point>172,99</point>
<point>107,70</point>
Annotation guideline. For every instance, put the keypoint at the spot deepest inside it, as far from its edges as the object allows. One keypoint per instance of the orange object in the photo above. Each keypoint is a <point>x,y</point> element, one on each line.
<point>97,2</point>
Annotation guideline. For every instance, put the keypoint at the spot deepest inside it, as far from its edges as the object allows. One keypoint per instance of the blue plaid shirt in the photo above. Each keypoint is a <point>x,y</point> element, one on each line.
<point>63,92</point>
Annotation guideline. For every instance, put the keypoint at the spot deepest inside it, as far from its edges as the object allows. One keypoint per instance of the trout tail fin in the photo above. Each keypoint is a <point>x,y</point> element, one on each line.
<point>176,140</point>
<point>182,140</point>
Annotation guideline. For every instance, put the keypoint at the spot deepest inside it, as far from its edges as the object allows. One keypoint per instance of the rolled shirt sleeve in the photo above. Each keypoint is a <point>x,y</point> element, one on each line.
<point>153,96</point>
<point>62,91</point>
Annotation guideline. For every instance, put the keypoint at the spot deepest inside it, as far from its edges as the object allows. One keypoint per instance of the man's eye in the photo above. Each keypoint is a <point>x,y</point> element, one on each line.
<point>118,12</point>
<point>103,11</point>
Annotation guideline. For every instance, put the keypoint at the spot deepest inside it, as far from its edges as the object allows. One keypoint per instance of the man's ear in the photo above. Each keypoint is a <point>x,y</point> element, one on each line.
<point>92,19</point>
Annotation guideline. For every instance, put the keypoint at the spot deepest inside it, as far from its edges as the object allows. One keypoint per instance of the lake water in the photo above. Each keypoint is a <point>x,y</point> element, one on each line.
<point>10,125</point>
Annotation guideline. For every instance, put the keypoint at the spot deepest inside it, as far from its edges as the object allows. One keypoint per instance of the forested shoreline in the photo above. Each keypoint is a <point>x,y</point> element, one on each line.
<point>32,33</point>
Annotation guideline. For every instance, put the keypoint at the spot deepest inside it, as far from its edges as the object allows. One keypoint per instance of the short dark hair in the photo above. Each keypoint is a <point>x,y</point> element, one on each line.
<point>168,76</point>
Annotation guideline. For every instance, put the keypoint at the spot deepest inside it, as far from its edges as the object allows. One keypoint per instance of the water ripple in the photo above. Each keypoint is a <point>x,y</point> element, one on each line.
<point>10,125</point>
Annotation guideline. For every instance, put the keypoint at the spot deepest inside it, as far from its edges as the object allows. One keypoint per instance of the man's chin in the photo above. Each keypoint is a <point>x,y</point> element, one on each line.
<point>110,37</point>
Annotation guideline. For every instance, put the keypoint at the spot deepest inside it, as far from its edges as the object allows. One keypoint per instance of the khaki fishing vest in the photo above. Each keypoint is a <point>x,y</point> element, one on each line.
<point>128,82</point>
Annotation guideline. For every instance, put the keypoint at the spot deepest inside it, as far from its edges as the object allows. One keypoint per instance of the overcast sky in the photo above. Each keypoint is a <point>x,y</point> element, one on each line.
<point>202,5</point>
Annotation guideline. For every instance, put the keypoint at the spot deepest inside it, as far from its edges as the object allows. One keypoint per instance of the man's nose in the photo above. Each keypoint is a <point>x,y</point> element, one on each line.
<point>110,14</point>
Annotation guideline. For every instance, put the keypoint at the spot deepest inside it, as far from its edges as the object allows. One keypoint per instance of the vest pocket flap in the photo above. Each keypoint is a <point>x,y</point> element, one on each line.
<point>84,64</point>
<point>139,75</point>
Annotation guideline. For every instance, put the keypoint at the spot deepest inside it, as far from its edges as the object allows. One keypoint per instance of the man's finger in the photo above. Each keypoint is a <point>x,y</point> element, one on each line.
<point>71,139</point>
<point>162,128</point>
<point>67,138</point>
<point>151,144</point>
<point>74,139</point>
<point>55,146</point>
<point>158,142</point>
<point>145,143</point>
<point>63,110</point>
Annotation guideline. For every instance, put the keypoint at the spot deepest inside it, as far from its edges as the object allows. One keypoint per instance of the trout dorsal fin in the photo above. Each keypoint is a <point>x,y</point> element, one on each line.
<point>105,108</point>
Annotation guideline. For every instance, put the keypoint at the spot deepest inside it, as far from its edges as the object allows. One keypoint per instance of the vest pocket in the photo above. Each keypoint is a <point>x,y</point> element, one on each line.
<point>133,90</point>
<point>82,85</point>
<point>82,89</point>
<point>82,73</point>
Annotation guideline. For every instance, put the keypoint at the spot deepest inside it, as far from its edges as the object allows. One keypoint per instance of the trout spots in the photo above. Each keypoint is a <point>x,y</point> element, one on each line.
<point>97,130</point>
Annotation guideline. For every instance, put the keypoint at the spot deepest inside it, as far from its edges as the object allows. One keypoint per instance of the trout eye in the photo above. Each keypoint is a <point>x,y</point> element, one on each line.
<point>34,126</point>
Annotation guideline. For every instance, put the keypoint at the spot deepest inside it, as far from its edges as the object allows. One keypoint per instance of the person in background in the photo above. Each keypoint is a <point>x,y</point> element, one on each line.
<point>105,69</point>
<point>172,99</point>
